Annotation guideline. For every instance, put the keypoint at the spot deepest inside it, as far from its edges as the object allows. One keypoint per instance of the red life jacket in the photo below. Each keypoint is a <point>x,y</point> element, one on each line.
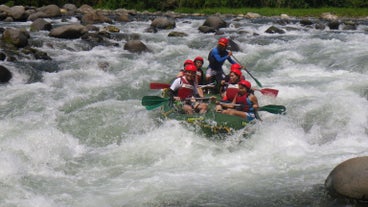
<point>186,90</point>
<point>245,102</point>
<point>231,91</point>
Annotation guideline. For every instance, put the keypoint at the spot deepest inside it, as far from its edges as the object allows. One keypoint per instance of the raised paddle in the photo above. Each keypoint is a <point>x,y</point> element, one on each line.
<point>255,79</point>
<point>264,91</point>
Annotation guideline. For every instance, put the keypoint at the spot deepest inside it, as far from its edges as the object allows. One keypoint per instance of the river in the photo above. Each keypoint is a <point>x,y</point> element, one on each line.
<point>80,136</point>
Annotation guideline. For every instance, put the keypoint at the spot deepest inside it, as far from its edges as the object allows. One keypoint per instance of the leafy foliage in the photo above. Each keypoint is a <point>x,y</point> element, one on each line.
<point>198,4</point>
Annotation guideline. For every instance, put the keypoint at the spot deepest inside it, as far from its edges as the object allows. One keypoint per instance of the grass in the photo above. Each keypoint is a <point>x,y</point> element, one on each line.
<point>315,12</point>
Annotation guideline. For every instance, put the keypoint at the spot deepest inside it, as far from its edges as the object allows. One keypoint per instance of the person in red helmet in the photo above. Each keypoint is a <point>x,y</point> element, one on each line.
<point>245,99</point>
<point>201,76</point>
<point>186,62</point>
<point>217,57</point>
<point>230,85</point>
<point>185,89</point>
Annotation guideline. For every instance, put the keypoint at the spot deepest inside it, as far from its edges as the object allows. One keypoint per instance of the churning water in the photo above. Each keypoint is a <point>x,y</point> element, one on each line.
<point>80,137</point>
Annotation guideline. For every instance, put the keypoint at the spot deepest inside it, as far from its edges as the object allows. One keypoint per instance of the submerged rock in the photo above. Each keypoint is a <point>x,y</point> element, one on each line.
<point>349,179</point>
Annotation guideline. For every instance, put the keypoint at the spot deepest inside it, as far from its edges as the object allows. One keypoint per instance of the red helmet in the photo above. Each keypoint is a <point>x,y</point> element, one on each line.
<point>236,71</point>
<point>223,41</point>
<point>235,66</point>
<point>190,62</point>
<point>245,83</point>
<point>199,58</point>
<point>190,67</point>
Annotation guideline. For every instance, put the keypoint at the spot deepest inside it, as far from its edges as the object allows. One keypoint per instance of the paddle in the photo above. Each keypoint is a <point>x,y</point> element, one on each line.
<point>255,79</point>
<point>268,91</point>
<point>166,85</point>
<point>274,109</point>
<point>159,85</point>
<point>152,102</point>
<point>264,91</point>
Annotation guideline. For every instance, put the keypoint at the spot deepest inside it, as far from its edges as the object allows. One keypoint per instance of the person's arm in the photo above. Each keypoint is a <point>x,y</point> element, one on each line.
<point>230,59</point>
<point>255,106</point>
<point>217,56</point>
<point>174,87</point>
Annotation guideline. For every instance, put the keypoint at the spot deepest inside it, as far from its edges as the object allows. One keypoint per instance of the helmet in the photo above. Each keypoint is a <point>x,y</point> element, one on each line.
<point>237,72</point>
<point>190,62</point>
<point>190,67</point>
<point>245,83</point>
<point>223,41</point>
<point>235,66</point>
<point>199,58</point>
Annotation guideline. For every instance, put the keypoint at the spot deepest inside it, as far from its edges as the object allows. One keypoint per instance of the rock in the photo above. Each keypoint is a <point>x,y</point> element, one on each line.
<point>70,9</point>
<point>273,30</point>
<point>72,31</point>
<point>328,16</point>
<point>333,25</point>
<point>50,10</point>
<point>349,179</point>
<point>5,75</point>
<point>17,37</point>
<point>177,34</point>
<point>95,17</point>
<point>17,13</point>
<point>206,29</point>
<point>252,15</point>
<point>135,46</point>
<point>163,23</point>
<point>215,22</point>
<point>40,24</point>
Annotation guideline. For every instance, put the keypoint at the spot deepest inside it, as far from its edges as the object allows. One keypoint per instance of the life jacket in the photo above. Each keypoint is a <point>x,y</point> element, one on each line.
<point>245,102</point>
<point>231,90</point>
<point>186,90</point>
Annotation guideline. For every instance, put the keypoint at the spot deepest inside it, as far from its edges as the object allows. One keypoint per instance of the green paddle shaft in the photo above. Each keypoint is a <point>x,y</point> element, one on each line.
<point>255,79</point>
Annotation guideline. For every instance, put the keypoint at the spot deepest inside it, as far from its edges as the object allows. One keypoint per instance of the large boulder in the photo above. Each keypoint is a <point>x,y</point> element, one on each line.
<point>16,37</point>
<point>95,17</point>
<point>5,75</point>
<point>136,46</point>
<point>72,31</point>
<point>40,24</point>
<point>163,23</point>
<point>50,10</point>
<point>18,13</point>
<point>215,22</point>
<point>349,179</point>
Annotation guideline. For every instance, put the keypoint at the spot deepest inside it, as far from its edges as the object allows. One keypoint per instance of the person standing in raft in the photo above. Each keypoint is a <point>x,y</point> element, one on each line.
<point>217,57</point>
<point>244,104</point>
<point>185,89</point>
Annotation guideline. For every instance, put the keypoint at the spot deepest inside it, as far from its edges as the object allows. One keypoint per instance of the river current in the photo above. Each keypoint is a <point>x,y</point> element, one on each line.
<point>80,136</point>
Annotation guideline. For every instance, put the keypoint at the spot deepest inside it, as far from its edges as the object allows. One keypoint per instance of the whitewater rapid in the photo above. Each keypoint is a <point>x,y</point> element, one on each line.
<point>80,137</point>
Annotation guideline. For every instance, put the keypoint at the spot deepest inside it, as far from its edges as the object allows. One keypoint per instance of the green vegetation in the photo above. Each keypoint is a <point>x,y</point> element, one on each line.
<point>312,12</point>
<point>348,8</point>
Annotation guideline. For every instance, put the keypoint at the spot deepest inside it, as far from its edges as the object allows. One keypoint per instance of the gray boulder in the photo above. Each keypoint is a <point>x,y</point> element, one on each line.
<point>349,179</point>
<point>72,31</point>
